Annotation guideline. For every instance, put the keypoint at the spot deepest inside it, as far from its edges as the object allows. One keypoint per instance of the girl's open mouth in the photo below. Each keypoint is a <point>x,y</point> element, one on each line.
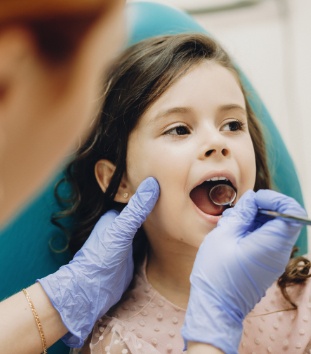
<point>200,196</point>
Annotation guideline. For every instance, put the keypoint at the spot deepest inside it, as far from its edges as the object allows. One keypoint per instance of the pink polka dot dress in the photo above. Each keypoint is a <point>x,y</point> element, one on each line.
<point>146,323</point>
<point>275,327</point>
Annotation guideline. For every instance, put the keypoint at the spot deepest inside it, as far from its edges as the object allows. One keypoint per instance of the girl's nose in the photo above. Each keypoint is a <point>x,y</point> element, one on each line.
<point>214,145</point>
<point>223,151</point>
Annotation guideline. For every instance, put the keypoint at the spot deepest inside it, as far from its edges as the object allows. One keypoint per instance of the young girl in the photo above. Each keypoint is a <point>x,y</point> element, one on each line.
<point>175,109</point>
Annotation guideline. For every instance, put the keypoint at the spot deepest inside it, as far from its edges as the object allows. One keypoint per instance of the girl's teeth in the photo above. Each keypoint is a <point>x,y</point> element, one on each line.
<point>218,179</point>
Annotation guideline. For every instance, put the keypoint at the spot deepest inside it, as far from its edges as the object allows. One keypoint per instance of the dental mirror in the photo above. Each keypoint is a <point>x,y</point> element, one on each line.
<point>222,194</point>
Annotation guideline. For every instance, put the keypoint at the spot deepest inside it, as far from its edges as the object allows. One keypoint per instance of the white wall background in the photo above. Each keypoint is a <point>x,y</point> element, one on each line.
<point>271,41</point>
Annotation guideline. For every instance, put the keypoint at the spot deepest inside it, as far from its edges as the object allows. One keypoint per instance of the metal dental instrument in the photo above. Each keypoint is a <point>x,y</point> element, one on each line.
<point>223,194</point>
<point>286,217</point>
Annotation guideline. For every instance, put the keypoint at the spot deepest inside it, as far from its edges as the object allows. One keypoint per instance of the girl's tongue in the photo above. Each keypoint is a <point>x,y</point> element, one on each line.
<point>200,197</point>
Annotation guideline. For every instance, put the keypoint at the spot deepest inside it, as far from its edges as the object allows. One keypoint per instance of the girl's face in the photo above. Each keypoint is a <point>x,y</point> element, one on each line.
<point>196,131</point>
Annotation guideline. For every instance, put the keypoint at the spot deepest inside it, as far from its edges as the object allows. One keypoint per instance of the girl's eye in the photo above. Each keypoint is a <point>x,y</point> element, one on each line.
<point>233,126</point>
<point>180,130</point>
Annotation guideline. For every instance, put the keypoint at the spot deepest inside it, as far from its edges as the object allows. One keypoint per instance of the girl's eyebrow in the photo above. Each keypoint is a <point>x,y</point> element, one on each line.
<point>232,106</point>
<point>169,111</point>
<point>186,110</point>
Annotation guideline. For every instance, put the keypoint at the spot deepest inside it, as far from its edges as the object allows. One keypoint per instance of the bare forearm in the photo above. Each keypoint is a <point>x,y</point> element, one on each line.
<point>18,329</point>
<point>202,348</point>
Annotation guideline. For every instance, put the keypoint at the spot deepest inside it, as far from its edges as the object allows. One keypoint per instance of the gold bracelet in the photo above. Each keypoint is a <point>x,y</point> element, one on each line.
<point>38,323</point>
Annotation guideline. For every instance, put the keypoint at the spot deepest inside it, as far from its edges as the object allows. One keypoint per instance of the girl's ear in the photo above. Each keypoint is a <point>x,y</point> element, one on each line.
<point>104,170</point>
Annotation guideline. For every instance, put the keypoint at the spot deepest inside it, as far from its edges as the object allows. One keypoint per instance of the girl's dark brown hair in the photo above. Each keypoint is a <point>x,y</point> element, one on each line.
<point>137,79</point>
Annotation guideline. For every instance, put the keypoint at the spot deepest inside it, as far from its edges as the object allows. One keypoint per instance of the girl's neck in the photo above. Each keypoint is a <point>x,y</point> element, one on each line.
<point>168,271</point>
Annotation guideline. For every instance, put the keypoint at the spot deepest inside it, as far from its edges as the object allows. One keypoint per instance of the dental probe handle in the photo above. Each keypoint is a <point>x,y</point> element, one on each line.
<point>286,217</point>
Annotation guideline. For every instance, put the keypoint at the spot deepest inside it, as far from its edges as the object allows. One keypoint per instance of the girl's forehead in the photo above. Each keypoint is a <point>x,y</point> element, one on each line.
<point>204,84</point>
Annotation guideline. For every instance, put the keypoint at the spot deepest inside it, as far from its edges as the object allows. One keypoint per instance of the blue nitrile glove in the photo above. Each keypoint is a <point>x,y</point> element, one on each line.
<point>235,265</point>
<point>96,278</point>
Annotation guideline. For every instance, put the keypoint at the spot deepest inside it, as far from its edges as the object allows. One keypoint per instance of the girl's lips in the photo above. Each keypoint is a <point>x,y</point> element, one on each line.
<point>212,219</point>
<point>216,175</point>
<point>200,193</point>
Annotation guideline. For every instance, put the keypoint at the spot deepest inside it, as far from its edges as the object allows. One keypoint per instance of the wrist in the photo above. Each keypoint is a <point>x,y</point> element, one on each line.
<point>202,348</point>
<point>210,323</point>
<point>49,317</point>
<point>61,288</point>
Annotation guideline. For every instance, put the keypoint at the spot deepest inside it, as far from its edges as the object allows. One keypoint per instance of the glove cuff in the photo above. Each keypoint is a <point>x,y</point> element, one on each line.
<point>65,303</point>
<point>217,329</point>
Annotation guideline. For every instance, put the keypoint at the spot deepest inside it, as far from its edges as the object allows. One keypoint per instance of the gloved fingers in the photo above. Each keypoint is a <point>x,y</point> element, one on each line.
<point>279,232</point>
<point>135,213</point>
<point>271,200</point>
<point>268,251</point>
<point>106,220</point>
<point>97,237</point>
<point>245,214</point>
<point>259,221</point>
<point>271,244</point>
<point>242,215</point>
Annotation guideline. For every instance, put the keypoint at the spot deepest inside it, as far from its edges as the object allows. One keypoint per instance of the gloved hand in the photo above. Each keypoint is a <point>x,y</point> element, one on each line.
<point>100,272</point>
<point>236,263</point>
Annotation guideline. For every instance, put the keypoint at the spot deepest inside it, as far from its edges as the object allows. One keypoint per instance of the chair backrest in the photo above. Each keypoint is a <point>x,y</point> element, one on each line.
<point>25,254</point>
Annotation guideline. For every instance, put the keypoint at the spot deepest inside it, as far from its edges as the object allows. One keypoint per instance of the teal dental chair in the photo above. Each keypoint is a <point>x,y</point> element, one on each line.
<point>25,254</point>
